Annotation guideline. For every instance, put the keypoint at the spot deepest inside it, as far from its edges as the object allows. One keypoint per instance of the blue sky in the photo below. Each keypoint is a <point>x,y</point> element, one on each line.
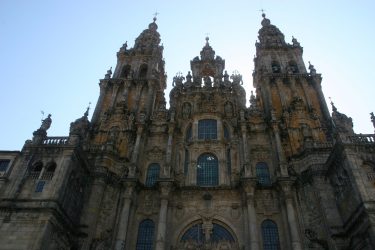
<point>53,53</point>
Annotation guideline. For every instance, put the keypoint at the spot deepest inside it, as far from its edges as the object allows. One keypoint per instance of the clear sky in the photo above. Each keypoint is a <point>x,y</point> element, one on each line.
<point>53,53</point>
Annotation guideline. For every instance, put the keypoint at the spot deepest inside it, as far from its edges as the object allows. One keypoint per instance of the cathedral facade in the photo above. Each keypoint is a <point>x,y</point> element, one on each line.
<point>208,172</point>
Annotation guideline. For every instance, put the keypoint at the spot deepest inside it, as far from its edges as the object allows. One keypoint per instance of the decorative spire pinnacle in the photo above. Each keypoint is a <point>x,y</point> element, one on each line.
<point>334,109</point>
<point>86,114</point>
<point>155,15</point>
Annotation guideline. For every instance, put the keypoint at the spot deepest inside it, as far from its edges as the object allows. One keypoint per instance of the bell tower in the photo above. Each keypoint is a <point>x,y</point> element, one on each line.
<point>288,93</point>
<point>128,98</point>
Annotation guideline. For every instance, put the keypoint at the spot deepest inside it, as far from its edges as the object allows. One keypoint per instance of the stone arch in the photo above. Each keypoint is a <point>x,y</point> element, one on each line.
<point>143,71</point>
<point>191,220</point>
<point>126,70</point>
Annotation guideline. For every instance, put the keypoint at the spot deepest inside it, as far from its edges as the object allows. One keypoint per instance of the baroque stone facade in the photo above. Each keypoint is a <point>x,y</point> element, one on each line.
<point>207,173</point>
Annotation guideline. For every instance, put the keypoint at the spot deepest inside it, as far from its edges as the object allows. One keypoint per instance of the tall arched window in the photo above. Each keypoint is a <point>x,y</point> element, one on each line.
<point>125,71</point>
<point>49,170</point>
<point>293,67</point>
<point>207,170</point>
<point>270,235</point>
<point>145,238</point>
<point>152,174</point>
<point>263,174</point>
<point>207,129</point>
<point>36,169</point>
<point>143,71</point>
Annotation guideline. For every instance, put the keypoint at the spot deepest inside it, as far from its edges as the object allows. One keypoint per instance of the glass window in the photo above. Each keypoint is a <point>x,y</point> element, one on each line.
<point>270,235</point>
<point>145,238</point>
<point>152,174</point>
<point>207,170</point>
<point>207,129</point>
<point>263,174</point>
<point>39,186</point>
<point>4,164</point>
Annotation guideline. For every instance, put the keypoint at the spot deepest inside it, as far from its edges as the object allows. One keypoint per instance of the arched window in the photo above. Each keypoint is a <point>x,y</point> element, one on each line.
<point>293,67</point>
<point>188,134</point>
<point>207,129</point>
<point>152,174</point>
<point>49,170</point>
<point>35,170</point>
<point>270,235</point>
<point>125,71</point>
<point>275,67</point>
<point>145,238</point>
<point>207,170</point>
<point>143,71</point>
<point>263,174</point>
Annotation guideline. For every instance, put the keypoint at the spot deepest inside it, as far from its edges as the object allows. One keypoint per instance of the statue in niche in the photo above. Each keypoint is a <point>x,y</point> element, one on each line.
<point>207,81</point>
<point>228,109</point>
<point>186,110</point>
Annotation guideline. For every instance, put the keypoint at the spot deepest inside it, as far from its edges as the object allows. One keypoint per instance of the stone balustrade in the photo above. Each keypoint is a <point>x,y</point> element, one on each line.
<point>56,140</point>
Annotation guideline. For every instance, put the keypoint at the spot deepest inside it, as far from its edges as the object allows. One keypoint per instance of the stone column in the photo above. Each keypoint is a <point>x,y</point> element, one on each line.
<point>165,188</point>
<point>292,219</point>
<point>166,171</point>
<point>124,216</point>
<point>279,148</point>
<point>94,204</point>
<point>249,188</point>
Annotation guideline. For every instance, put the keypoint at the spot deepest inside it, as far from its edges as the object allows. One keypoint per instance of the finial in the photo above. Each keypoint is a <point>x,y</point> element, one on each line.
<point>155,15</point>
<point>334,109</point>
<point>207,38</point>
<point>86,114</point>
<point>109,73</point>
<point>263,14</point>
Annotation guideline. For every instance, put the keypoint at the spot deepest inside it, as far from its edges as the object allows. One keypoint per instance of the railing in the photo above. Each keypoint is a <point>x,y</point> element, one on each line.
<point>362,139</point>
<point>371,176</point>
<point>47,175</point>
<point>57,140</point>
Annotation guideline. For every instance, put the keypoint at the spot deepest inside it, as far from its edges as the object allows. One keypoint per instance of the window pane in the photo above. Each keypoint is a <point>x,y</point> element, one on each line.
<point>270,235</point>
<point>145,237</point>
<point>207,129</point>
<point>4,165</point>
<point>207,170</point>
<point>39,186</point>
<point>152,174</point>
<point>263,174</point>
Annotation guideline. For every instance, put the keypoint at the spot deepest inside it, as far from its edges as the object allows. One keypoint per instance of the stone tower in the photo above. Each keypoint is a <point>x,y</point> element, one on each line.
<point>207,173</point>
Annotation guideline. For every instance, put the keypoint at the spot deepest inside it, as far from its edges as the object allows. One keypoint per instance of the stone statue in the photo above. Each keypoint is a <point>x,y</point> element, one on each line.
<point>372,119</point>
<point>46,123</point>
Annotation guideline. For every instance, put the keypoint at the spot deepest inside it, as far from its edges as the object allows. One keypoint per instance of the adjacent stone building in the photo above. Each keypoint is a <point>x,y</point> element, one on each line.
<point>207,173</point>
